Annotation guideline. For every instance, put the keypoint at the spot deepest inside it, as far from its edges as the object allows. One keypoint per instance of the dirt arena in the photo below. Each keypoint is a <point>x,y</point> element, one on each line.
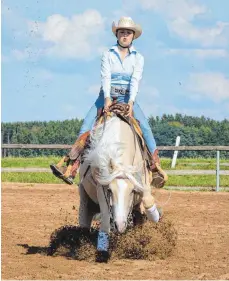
<point>31,212</point>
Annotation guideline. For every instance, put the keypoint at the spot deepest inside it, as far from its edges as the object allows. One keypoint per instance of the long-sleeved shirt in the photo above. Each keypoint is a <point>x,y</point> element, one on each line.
<point>125,74</point>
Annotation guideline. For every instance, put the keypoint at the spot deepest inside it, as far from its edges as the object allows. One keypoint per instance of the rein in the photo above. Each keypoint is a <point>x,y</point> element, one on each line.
<point>107,195</point>
<point>127,120</point>
<point>121,111</point>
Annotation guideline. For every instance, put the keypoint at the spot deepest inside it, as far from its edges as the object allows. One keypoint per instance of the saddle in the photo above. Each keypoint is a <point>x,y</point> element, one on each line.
<point>159,176</point>
<point>121,110</point>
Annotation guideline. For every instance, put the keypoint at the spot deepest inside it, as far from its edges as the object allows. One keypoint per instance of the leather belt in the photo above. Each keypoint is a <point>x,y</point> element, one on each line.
<point>121,91</point>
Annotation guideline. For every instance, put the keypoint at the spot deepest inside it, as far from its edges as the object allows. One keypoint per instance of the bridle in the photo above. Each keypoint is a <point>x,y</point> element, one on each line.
<point>107,195</point>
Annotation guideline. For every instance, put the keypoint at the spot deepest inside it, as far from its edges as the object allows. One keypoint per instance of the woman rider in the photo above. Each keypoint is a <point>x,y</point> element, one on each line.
<point>121,72</point>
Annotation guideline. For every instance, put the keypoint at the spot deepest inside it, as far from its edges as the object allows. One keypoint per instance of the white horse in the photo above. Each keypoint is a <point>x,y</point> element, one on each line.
<point>113,180</point>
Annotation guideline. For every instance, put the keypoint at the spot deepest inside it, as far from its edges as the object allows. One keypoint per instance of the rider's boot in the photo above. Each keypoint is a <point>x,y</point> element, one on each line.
<point>66,168</point>
<point>159,177</point>
<point>66,173</point>
<point>71,171</point>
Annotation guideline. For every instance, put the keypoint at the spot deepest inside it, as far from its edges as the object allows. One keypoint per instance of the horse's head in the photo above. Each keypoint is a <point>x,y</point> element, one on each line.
<point>122,200</point>
<point>122,184</point>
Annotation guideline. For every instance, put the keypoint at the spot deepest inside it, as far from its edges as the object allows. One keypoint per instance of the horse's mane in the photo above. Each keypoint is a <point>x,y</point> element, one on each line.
<point>105,154</point>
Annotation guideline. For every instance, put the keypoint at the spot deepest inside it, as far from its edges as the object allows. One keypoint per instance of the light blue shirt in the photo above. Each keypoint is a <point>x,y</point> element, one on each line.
<point>125,74</point>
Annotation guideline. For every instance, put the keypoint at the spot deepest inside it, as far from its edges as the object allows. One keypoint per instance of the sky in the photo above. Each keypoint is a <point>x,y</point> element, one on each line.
<point>51,51</point>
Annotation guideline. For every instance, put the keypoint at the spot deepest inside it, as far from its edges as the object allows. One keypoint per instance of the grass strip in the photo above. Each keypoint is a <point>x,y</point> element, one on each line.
<point>182,163</point>
<point>174,180</point>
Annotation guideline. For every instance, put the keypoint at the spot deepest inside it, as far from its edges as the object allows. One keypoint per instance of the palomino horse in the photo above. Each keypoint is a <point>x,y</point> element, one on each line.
<point>113,180</point>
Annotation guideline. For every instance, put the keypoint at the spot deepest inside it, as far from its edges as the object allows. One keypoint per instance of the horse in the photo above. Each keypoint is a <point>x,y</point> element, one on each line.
<point>114,180</point>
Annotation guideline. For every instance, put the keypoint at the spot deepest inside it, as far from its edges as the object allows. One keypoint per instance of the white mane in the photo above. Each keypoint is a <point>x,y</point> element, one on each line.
<point>105,153</point>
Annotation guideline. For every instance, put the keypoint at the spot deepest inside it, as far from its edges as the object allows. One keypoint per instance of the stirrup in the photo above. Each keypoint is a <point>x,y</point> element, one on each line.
<point>68,180</point>
<point>60,174</point>
<point>57,171</point>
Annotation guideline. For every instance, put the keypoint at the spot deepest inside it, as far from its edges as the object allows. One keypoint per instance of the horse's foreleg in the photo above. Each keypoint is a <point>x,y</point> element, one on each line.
<point>85,214</point>
<point>150,207</point>
<point>103,237</point>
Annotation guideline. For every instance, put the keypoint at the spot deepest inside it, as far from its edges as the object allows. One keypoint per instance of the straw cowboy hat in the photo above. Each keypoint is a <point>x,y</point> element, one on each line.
<point>127,23</point>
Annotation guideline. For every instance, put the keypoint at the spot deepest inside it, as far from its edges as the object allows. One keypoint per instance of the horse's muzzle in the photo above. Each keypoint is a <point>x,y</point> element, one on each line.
<point>121,226</point>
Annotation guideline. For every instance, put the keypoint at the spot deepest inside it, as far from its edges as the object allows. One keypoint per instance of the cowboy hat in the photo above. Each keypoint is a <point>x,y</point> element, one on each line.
<point>127,23</point>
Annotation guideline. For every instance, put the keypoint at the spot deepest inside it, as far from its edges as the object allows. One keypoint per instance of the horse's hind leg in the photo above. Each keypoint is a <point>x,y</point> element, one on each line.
<point>139,216</point>
<point>150,207</point>
<point>85,212</point>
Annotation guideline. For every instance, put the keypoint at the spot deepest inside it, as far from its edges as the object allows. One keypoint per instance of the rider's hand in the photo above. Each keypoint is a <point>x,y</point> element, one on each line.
<point>107,104</point>
<point>130,112</point>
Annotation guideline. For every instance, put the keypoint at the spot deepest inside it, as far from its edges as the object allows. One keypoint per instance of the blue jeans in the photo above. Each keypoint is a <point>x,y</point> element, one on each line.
<point>90,118</point>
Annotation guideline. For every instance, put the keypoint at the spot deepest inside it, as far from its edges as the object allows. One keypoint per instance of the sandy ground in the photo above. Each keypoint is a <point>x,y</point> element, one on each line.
<point>30,213</point>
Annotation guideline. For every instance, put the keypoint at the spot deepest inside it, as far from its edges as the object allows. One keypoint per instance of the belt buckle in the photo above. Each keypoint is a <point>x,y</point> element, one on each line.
<point>120,91</point>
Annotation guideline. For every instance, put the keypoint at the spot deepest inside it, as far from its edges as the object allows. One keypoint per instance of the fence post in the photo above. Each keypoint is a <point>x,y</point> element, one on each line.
<point>175,153</point>
<point>217,170</point>
<point>2,149</point>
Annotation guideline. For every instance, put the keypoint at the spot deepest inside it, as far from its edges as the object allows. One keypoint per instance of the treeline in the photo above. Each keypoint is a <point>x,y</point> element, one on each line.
<point>192,130</point>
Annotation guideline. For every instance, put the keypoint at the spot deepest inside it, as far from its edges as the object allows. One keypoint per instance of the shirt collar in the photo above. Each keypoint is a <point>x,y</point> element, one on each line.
<point>115,47</point>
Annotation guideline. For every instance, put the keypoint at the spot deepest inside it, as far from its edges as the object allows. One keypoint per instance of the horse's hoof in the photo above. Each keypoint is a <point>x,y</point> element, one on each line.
<point>50,251</point>
<point>161,213</point>
<point>102,256</point>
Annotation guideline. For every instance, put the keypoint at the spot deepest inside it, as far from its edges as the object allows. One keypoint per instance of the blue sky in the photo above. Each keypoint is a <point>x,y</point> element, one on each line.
<point>51,56</point>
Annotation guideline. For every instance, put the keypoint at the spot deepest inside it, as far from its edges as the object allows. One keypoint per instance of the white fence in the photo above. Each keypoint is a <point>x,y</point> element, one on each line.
<point>161,148</point>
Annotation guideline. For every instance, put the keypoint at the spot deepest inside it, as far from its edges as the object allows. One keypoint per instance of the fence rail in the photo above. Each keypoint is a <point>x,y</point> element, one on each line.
<point>169,172</point>
<point>66,146</point>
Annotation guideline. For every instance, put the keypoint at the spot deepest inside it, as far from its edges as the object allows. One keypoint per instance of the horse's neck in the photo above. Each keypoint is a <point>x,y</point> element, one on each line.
<point>114,149</point>
<point>119,131</point>
<point>131,153</point>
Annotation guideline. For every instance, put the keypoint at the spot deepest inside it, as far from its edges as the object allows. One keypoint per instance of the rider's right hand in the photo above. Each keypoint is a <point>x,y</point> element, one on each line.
<point>107,104</point>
